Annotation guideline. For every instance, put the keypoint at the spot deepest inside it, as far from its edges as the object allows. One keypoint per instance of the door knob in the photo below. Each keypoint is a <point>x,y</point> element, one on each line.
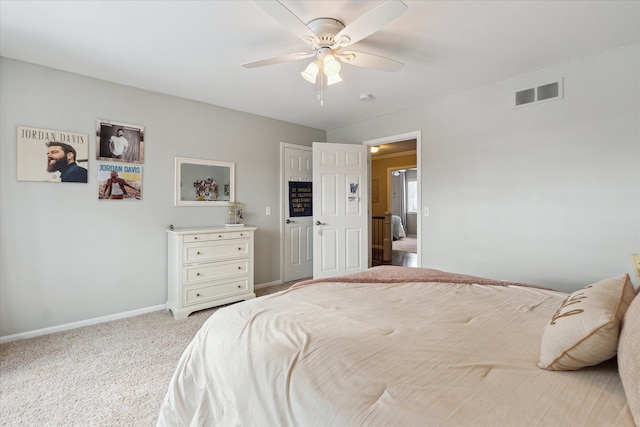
<point>320,223</point>
<point>289,221</point>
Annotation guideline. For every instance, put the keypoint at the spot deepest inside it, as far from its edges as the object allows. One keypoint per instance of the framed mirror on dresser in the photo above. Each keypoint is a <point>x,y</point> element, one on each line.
<point>201,182</point>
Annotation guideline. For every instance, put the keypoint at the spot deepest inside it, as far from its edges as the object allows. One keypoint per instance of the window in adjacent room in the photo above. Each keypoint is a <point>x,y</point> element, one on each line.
<point>412,196</point>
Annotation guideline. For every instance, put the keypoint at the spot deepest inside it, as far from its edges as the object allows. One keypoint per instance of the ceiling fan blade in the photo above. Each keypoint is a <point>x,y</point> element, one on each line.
<point>288,20</point>
<point>368,60</point>
<point>370,22</point>
<point>278,59</point>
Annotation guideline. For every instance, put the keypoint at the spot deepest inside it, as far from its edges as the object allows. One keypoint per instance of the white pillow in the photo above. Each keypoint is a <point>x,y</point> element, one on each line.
<point>585,330</point>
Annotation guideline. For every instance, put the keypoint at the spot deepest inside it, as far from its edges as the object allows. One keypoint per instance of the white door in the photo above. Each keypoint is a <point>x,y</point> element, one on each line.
<point>297,219</point>
<point>340,209</point>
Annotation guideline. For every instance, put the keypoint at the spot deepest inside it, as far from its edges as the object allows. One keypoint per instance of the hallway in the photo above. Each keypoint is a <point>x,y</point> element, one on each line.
<point>405,252</point>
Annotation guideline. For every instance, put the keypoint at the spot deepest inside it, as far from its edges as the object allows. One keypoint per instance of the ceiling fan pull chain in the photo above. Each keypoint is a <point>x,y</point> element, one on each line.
<point>320,94</point>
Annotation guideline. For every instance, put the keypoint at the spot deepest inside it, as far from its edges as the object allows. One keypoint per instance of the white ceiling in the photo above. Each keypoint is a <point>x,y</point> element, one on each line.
<point>194,49</point>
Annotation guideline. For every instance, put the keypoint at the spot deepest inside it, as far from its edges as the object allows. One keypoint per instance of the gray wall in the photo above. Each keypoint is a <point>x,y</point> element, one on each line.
<point>546,194</point>
<point>66,256</point>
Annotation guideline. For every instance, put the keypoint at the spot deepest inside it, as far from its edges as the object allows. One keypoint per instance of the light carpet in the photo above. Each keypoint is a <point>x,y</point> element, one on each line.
<point>111,374</point>
<point>406,244</point>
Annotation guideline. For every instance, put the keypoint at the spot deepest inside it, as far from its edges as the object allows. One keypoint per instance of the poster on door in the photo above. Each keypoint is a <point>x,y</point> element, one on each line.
<point>300,199</point>
<point>353,191</point>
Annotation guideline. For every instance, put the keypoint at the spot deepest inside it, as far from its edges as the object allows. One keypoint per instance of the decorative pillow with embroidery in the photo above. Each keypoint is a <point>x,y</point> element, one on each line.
<point>584,331</point>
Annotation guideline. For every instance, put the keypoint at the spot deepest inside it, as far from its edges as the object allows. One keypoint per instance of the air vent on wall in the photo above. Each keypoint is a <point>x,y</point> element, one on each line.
<point>546,92</point>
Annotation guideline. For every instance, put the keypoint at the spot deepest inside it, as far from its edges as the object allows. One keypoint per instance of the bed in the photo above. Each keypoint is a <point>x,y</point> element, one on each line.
<point>397,230</point>
<point>411,347</point>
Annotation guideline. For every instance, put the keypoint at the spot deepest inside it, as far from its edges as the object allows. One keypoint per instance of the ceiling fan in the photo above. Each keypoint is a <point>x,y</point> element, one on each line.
<point>327,37</point>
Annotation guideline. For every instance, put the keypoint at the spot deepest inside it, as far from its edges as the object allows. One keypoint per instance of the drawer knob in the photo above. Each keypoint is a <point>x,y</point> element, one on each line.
<point>219,235</point>
<point>241,234</point>
<point>239,286</point>
<point>197,274</point>
<point>239,268</point>
<point>197,295</point>
<point>195,238</point>
<point>239,249</point>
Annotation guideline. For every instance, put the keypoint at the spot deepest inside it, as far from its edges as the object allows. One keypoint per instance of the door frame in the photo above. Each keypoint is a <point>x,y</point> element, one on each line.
<point>417,135</point>
<point>283,201</point>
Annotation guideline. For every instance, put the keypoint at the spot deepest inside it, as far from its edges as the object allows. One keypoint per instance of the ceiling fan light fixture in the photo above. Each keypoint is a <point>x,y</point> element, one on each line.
<point>311,72</point>
<point>331,65</point>
<point>327,36</point>
<point>331,80</point>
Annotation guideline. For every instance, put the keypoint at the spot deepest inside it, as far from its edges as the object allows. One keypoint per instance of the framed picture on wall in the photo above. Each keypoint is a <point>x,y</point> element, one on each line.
<point>119,181</point>
<point>48,155</point>
<point>375,190</point>
<point>119,142</point>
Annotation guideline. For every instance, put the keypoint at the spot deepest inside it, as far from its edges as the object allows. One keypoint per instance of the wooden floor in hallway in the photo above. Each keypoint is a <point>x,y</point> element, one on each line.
<point>400,258</point>
<point>404,259</point>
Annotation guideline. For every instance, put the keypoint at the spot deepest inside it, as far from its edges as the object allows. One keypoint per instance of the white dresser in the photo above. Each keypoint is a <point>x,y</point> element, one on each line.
<point>208,267</point>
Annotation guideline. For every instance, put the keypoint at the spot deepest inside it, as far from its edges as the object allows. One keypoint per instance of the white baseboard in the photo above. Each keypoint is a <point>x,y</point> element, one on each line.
<point>94,321</point>
<point>80,324</point>
<point>266,285</point>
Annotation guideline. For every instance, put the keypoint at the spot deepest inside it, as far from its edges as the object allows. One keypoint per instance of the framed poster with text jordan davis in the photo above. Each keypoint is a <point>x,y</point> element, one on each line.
<point>48,155</point>
<point>119,181</point>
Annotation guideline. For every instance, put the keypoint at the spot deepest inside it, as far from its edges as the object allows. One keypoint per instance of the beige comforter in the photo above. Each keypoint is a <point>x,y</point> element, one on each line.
<point>399,353</point>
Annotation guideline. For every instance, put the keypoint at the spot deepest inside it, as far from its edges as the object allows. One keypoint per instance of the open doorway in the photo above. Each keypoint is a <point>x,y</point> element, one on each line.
<point>403,201</point>
<point>395,189</point>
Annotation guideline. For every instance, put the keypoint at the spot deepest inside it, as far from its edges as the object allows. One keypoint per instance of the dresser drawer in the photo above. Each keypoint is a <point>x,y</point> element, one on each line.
<point>208,237</point>
<point>198,294</point>
<point>215,270</point>
<point>211,251</point>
